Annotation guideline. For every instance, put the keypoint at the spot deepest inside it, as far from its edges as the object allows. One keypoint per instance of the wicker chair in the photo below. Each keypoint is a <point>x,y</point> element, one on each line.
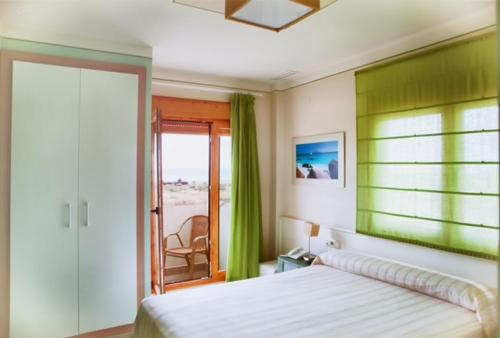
<point>198,242</point>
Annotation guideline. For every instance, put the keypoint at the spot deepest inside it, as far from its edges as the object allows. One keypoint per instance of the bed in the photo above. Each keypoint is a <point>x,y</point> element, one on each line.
<point>344,294</point>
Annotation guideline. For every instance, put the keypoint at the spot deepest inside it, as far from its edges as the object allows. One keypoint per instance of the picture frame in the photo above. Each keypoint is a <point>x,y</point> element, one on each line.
<point>319,160</point>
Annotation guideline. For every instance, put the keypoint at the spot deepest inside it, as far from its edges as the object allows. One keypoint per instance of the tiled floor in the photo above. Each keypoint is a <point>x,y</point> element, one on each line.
<point>181,277</point>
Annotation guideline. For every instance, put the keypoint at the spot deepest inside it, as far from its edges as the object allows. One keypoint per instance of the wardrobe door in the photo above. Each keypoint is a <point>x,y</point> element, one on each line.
<point>108,188</point>
<point>44,186</point>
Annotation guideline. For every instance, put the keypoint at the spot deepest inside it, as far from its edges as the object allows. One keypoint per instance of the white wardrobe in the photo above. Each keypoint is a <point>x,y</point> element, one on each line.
<point>73,247</point>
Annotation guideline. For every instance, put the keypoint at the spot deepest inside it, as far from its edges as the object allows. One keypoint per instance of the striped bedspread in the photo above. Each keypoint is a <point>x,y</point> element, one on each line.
<point>314,302</point>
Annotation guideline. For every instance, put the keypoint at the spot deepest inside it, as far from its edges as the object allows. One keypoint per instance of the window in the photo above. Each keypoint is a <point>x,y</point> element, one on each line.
<point>224,199</point>
<point>428,152</point>
<point>185,170</point>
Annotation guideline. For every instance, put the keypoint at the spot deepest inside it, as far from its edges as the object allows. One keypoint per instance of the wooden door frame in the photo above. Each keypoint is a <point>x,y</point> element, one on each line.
<point>217,114</point>
<point>156,201</point>
<point>219,128</point>
<point>7,57</point>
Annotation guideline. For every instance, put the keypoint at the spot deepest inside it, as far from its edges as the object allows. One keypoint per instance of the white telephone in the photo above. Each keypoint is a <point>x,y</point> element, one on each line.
<point>296,253</point>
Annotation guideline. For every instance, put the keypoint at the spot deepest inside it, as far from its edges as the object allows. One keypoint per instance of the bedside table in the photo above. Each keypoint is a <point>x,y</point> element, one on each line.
<point>286,263</point>
<point>267,268</point>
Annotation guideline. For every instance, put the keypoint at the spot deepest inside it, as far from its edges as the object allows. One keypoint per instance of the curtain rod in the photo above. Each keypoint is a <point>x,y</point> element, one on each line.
<point>204,87</point>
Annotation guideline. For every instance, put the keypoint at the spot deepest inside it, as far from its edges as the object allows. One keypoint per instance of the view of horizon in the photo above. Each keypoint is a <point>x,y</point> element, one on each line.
<point>190,165</point>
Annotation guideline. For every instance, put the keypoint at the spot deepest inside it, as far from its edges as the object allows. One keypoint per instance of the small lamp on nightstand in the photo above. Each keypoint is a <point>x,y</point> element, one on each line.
<point>311,230</point>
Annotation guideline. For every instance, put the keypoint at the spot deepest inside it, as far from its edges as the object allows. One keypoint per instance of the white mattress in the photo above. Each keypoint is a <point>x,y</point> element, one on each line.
<point>314,302</point>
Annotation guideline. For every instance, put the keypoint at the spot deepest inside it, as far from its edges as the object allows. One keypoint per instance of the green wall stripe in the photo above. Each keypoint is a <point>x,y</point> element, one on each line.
<point>74,52</point>
<point>428,219</point>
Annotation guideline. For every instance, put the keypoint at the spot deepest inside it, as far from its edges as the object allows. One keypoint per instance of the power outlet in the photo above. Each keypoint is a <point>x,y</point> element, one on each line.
<point>333,243</point>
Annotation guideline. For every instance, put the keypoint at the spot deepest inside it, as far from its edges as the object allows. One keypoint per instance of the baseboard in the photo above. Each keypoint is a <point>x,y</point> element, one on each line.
<point>107,332</point>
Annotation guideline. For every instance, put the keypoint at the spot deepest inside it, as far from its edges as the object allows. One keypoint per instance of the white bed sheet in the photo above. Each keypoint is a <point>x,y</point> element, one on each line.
<point>314,302</point>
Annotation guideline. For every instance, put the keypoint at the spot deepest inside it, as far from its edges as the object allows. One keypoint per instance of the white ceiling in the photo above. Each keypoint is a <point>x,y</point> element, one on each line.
<point>199,45</point>
<point>219,5</point>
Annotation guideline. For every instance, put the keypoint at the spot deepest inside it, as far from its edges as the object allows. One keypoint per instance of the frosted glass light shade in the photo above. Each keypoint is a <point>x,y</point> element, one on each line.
<point>271,14</point>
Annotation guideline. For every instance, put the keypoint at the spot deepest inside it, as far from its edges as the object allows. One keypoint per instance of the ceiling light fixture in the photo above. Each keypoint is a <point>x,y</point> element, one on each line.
<point>275,15</point>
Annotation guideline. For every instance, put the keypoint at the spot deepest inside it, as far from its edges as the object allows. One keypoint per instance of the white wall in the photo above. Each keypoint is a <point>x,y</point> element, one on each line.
<point>264,122</point>
<point>325,106</point>
<point>321,107</point>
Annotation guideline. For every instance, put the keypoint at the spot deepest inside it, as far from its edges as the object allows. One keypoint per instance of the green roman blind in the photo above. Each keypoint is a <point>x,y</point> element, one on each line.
<point>428,154</point>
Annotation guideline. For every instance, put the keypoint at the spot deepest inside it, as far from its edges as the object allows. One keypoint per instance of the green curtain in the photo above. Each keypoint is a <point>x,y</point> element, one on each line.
<point>428,154</point>
<point>246,215</point>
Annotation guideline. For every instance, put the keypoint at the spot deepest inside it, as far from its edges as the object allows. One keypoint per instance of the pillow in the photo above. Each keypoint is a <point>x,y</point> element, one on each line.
<point>456,290</point>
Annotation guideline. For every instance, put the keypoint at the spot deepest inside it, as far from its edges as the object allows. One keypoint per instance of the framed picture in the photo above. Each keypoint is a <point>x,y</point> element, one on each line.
<point>319,159</point>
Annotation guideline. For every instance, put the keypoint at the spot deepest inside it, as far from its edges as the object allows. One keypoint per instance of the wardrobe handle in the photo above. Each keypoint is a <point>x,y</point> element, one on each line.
<point>86,217</point>
<point>67,222</point>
